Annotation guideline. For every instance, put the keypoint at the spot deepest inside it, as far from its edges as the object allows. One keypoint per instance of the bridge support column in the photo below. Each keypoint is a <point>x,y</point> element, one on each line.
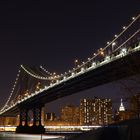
<point>37,127</point>
<point>34,116</point>
<point>26,117</point>
<point>23,117</point>
<point>37,116</point>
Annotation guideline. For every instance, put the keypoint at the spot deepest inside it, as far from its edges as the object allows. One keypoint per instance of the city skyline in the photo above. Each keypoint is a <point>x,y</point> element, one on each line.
<point>93,111</point>
<point>30,44</point>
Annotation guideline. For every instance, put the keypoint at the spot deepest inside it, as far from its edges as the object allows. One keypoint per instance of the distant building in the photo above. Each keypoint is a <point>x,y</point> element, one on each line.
<point>121,108</point>
<point>135,105</point>
<point>70,115</point>
<point>122,113</point>
<point>2,121</point>
<point>8,121</point>
<point>51,119</point>
<point>95,111</point>
<point>50,116</point>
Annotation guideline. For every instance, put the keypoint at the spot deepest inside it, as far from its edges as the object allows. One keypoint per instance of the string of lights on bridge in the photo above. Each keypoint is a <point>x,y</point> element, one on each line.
<point>53,76</point>
<point>73,73</point>
<point>49,73</point>
<point>11,93</point>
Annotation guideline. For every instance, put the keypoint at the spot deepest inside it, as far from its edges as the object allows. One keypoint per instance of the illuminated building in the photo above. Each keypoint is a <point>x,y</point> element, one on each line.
<point>95,111</point>
<point>121,108</point>
<point>70,115</point>
<point>8,121</point>
<point>50,116</point>
<point>123,114</point>
<point>135,105</point>
<point>2,121</point>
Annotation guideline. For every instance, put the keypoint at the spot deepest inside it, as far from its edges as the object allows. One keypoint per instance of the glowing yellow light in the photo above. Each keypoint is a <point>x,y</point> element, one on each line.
<point>102,53</point>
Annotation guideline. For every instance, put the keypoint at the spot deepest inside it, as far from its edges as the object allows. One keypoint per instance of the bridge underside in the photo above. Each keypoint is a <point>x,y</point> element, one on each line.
<point>24,126</point>
<point>115,70</point>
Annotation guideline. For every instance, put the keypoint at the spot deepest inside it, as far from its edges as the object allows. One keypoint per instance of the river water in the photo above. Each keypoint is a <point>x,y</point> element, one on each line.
<point>13,136</point>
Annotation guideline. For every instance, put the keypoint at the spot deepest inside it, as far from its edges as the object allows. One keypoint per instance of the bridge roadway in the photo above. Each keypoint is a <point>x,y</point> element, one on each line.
<point>114,70</point>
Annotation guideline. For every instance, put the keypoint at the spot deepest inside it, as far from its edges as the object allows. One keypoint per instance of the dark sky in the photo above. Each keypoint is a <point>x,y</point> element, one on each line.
<point>54,34</point>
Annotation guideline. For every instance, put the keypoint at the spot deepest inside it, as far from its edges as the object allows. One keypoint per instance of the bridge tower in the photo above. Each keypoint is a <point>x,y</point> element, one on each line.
<point>24,127</point>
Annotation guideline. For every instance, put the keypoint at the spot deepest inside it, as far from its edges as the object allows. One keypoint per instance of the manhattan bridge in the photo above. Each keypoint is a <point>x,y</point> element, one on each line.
<point>36,86</point>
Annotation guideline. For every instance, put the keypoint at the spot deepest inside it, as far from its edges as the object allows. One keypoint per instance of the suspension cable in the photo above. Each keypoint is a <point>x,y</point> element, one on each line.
<point>126,28</point>
<point>46,70</point>
<point>33,75</point>
<point>127,40</point>
<point>12,91</point>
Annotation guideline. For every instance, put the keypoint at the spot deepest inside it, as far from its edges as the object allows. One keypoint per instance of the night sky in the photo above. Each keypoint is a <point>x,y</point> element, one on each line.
<point>54,34</point>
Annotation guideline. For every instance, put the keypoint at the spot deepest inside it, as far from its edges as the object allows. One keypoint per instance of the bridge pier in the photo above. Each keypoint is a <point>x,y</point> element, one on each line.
<point>24,126</point>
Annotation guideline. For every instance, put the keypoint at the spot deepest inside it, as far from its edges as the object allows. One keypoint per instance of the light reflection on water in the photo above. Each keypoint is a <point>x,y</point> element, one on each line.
<point>13,136</point>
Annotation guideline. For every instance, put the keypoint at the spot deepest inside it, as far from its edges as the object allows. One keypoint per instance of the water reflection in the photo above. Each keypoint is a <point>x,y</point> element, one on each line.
<point>13,136</point>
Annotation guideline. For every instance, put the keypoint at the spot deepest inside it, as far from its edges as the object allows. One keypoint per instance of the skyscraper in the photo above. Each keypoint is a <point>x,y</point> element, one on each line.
<point>122,113</point>
<point>135,105</point>
<point>121,108</point>
<point>95,111</point>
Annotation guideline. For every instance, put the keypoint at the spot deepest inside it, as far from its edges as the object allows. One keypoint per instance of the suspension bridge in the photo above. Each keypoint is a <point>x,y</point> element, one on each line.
<point>35,86</point>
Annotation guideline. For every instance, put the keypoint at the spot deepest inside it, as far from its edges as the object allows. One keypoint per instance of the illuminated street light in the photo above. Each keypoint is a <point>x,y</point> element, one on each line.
<point>133,18</point>
<point>123,51</point>
<point>72,73</point>
<point>88,59</point>
<point>113,45</point>
<point>107,58</point>
<point>124,27</point>
<point>102,53</point>
<point>83,62</point>
<point>82,69</point>
<point>64,77</point>
<point>108,43</point>
<point>76,62</point>
<point>93,64</point>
